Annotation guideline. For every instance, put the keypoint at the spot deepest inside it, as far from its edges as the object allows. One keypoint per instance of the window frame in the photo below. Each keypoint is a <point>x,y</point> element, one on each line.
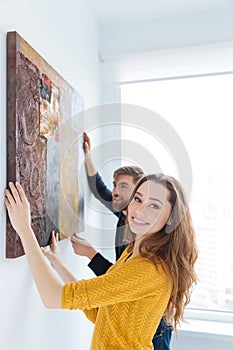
<point>220,57</point>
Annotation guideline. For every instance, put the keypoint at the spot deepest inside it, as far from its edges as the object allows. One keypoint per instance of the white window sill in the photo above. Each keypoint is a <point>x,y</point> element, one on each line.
<point>206,328</point>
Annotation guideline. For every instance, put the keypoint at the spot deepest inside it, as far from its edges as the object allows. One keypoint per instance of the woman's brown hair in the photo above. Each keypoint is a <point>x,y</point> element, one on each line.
<point>174,245</point>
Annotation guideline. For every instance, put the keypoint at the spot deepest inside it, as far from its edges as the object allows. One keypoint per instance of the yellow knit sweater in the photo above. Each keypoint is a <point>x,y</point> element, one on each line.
<point>126,304</point>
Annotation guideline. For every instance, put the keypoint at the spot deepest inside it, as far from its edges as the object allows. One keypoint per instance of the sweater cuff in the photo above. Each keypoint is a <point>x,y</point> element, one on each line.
<point>74,295</point>
<point>99,265</point>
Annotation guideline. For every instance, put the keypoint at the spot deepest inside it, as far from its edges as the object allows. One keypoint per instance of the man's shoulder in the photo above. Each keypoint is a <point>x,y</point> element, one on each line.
<point>121,218</point>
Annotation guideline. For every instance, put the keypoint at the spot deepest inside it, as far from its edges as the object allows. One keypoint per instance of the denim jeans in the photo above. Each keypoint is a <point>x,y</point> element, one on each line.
<point>162,337</point>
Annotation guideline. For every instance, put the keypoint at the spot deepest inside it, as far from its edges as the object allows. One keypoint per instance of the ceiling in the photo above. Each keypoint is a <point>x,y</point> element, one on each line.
<point>119,11</point>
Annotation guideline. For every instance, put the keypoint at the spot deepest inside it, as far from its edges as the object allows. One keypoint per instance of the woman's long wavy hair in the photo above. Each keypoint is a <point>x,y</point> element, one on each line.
<point>174,245</point>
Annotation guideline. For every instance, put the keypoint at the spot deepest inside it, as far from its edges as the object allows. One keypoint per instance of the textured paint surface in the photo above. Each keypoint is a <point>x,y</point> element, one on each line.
<point>40,110</point>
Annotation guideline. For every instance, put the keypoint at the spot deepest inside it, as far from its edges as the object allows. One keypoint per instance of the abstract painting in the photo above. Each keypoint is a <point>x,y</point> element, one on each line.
<point>44,144</point>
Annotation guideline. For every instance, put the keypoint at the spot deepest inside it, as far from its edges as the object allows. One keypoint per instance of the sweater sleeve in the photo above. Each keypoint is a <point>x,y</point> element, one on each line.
<point>99,265</point>
<point>91,314</point>
<point>100,191</point>
<point>130,281</point>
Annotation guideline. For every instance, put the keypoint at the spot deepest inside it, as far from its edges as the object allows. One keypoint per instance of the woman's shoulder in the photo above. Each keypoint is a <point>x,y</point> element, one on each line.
<point>155,266</point>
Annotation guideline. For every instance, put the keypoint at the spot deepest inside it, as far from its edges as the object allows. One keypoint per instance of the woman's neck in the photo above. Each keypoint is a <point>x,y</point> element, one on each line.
<point>136,247</point>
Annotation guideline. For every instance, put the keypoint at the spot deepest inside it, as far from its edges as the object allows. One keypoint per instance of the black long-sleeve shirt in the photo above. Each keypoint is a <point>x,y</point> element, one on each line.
<point>99,264</point>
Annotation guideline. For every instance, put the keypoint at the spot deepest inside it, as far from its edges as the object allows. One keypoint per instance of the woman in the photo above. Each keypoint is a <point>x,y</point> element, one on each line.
<point>153,276</point>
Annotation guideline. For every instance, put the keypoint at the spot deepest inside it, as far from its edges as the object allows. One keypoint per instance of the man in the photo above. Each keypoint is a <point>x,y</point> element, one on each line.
<point>125,179</point>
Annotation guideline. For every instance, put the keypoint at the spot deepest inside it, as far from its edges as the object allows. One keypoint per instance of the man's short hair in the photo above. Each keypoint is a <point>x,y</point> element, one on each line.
<point>130,170</point>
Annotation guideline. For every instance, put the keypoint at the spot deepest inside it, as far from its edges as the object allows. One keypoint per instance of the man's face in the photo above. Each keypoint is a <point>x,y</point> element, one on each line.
<point>122,190</point>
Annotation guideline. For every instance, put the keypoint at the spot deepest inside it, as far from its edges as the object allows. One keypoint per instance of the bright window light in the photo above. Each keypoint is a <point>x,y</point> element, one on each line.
<point>200,109</point>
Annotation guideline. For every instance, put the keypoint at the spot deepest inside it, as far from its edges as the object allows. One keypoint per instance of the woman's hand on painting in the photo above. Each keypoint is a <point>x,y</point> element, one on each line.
<point>82,247</point>
<point>52,254</point>
<point>18,209</point>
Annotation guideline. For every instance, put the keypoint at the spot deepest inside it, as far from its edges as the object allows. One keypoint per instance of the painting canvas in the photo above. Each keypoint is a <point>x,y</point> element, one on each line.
<point>44,144</point>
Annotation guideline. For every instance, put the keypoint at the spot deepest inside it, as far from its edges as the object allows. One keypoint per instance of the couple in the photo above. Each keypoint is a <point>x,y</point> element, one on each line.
<point>151,278</point>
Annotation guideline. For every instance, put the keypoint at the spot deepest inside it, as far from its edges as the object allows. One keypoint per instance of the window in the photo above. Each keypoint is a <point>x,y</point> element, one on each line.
<point>200,109</point>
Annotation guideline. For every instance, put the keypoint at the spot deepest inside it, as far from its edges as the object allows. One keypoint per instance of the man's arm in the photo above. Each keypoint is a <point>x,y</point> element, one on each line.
<point>96,184</point>
<point>99,264</point>
<point>100,191</point>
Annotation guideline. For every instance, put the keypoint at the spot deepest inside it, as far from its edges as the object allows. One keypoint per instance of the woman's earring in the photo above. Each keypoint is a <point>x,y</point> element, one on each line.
<point>169,223</point>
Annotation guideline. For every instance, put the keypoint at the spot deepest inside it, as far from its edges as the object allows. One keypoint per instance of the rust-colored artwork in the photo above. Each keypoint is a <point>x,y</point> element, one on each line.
<point>44,144</point>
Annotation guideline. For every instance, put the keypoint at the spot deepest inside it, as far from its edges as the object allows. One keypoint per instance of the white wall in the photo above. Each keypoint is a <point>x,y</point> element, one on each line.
<point>66,35</point>
<point>194,44</point>
<point>165,33</point>
<point>133,51</point>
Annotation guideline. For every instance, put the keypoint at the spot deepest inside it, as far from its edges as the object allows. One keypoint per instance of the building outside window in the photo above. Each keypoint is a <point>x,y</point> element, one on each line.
<point>200,109</point>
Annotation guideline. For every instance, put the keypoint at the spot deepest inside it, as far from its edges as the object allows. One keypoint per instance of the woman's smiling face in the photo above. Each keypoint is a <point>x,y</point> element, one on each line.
<point>149,210</point>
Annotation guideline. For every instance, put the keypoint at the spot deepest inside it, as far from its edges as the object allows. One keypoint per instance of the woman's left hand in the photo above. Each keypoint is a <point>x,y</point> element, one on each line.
<point>52,254</point>
<point>18,209</point>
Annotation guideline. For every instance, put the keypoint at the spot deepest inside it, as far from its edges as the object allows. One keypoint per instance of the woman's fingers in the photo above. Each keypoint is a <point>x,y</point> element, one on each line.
<point>55,238</point>
<point>21,193</point>
<point>14,192</point>
<point>43,251</point>
<point>46,253</point>
<point>9,198</point>
<point>8,205</point>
